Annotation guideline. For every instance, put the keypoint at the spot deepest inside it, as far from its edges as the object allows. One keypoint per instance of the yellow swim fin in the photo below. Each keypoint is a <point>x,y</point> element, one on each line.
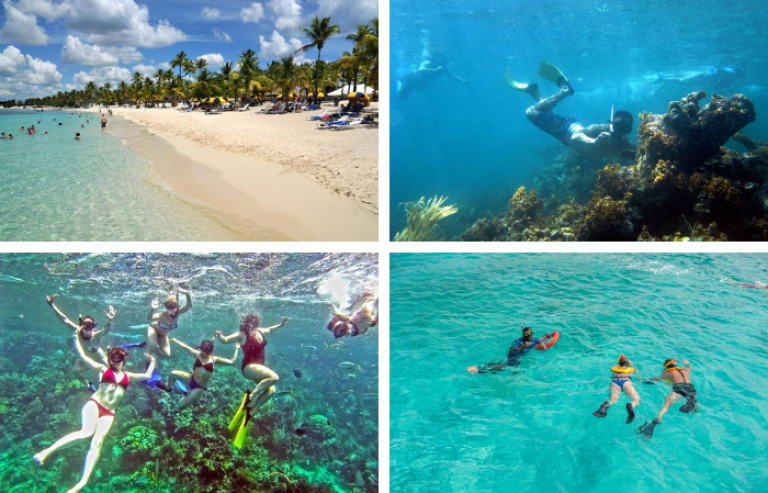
<point>552,73</point>
<point>513,84</point>
<point>242,433</point>
<point>240,413</point>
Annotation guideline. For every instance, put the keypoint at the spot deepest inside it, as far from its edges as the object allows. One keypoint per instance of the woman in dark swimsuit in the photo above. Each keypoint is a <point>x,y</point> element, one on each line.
<point>251,338</point>
<point>85,330</point>
<point>99,412</point>
<point>202,370</point>
<point>164,322</point>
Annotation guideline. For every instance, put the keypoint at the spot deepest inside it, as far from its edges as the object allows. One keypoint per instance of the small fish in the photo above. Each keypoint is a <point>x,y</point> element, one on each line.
<point>348,365</point>
<point>335,345</point>
<point>370,397</point>
<point>297,373</point>
<point>301,431</point>
<point>142,480</point>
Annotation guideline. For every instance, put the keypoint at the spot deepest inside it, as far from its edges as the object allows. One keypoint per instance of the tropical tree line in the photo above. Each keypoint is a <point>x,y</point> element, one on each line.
<point>244,79</point>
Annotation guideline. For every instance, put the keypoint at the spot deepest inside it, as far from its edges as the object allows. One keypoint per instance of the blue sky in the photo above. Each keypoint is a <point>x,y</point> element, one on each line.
<point>52,45</point>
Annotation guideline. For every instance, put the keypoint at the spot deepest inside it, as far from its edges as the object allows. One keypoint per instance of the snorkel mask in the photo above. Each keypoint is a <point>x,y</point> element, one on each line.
<point>206,346</point>
<point>527,333</point>
<point>117,355</point>
<point>670,363</point>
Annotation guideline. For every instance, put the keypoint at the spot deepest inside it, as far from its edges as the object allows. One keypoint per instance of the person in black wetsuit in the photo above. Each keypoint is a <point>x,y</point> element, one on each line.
<point>251,338</point>
<point>519,348</point>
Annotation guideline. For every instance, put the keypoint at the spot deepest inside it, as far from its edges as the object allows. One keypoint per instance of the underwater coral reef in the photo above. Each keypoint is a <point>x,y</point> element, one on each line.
<point>683,185</point>
<point>318,433</point>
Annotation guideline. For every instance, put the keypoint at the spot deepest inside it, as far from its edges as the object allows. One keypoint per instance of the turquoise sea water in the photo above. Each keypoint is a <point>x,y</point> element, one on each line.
<point>531,430</point>
<point>42,394</point>
<point>472,142</point>
<point>56,188</point>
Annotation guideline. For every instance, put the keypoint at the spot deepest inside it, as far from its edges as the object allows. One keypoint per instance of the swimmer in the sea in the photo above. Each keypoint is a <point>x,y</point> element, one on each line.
<point>680,380</point>
<point>747,285</point>
<point>419,78</point>
<point>621,381</point>
<point>598,140</point>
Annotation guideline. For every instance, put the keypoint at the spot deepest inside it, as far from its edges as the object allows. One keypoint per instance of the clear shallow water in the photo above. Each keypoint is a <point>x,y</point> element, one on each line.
<point>55,188</point>
<point>472,141</point>
<point>533,430</point>
<point>224,288</point>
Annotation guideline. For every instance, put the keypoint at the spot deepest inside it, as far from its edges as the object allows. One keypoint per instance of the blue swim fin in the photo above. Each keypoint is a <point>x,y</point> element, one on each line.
<point>153,380</point>
<point>181,387</point>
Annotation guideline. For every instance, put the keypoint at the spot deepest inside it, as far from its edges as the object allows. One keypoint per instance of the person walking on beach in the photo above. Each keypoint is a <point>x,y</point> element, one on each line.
<point>103,121</point>
<point>599,140</point>
<point>98,413</point>
<point>621,381</point>
<point>680,379</point>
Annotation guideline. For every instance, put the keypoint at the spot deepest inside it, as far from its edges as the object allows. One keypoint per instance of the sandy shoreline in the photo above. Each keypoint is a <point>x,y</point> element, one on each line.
<point>276,171</point>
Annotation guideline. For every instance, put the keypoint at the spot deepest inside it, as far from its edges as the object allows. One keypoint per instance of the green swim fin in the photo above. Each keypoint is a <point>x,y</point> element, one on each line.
<point>240,412</point>
<point>242,432</point>
<point>532,89</point>
<point>552,73</point>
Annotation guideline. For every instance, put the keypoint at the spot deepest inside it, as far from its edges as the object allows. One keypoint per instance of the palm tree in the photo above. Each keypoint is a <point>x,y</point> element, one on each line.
<point>204,86</point>
<point>249,68</point>
<point>160,74</point>
<point>178,61</point>
<point>318,33</point>
<point>189,68</point>
<point>200,64</point>
<point>90,90</point>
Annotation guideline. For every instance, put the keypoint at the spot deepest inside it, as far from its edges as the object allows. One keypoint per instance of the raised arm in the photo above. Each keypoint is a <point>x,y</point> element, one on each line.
<point>267,330</point>
<point>336,310</point>
<point>226,361</point>
<point>194,352</point>
<point>228,339</point>
<point>188,305</point>
<point>151,316</point>
<point>147,374</point>
<point>59,313</point>
<point>88,360</point>
<point>108,325</point>
<point>687,365</point>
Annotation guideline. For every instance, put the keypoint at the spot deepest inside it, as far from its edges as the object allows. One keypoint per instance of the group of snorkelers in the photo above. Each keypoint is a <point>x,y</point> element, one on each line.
<point>98,413</point>
<point>621,381</point>
<point>622,372</point>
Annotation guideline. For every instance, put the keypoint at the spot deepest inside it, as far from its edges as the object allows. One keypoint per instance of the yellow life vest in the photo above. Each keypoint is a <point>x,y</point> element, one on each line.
<point>618,369</point>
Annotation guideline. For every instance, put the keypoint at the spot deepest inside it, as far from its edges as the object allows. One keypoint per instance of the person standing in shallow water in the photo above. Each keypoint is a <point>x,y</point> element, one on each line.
<point>251,339</point>
<point>103,122</point>
<point>164,322</point>
<point>598,140</point>
<point>98,413</point>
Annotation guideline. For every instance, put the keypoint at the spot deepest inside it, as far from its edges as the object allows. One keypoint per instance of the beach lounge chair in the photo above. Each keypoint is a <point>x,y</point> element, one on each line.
<point>216,111</point>
<point>341,121</point>
<point>188,108</point>
<point>321,116</point>
<point>244,108</point>
<point>345,125</point>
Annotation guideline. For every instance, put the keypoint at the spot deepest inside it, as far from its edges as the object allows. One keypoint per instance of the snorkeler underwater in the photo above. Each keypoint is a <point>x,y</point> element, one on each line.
<point>586,122</point>
<point>202,373</point>
<point>578,372</point>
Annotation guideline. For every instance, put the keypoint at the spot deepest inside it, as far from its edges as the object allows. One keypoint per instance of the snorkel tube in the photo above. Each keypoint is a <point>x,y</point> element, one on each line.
<point>613,107</point>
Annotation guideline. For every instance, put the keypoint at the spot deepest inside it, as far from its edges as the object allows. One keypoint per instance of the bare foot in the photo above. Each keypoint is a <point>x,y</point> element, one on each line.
<point>39,458</point>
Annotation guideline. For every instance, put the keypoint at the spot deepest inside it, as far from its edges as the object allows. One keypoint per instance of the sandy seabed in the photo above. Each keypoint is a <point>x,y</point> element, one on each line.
<point>277,171</point>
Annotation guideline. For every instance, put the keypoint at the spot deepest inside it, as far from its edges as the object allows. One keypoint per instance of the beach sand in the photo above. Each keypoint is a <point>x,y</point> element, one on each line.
<point>277,171</point>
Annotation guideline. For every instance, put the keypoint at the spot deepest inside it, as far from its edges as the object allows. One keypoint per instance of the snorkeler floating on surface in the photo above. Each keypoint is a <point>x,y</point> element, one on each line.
<point>621,381</point>
<point>419,78</point>
<point>98,413</point>
<point>747,285</point>
<point>195,383</point>
<point>599,140</point>
<point>520,347</point>
<point>680,379</point>
<point>363,318</point>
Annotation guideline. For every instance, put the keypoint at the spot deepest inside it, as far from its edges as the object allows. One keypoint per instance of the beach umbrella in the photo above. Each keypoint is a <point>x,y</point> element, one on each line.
<point>290,95</point>
<point>358,95</point>
<point>320,95</point>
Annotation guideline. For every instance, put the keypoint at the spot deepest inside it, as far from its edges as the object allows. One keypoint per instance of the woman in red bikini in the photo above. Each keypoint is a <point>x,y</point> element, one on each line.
<point>99,412</point>
<point>196,382</point>
<point>251,339</point>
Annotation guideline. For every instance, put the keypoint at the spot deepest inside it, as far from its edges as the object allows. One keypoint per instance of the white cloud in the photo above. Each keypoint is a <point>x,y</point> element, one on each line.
<point>287,14</point>
<point>11,61</point>
<point>43,8</point>
<point>41,72</point>
<point>277,47</point>
<point>210,14</point>
<point>254,13</point>
<point>213,59</point>
<point>22,27</point>
<point>164,65</point>
<point>102,75</point>
<point>348,13</point>
<point>119,22</point>
<point>145,70</point>
<point>75,51</point>
<point>222,36</point>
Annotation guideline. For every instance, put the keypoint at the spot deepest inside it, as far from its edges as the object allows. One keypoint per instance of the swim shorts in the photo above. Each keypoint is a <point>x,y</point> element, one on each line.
<point>555,125</point>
